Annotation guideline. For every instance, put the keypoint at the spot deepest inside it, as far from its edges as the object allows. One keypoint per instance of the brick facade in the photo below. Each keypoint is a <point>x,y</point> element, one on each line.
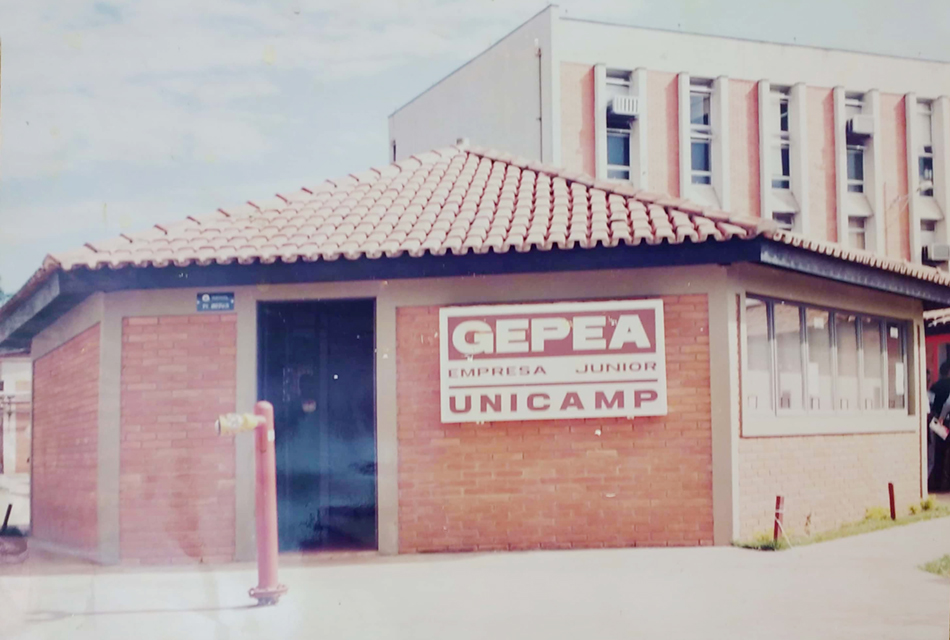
<point>177,475</point>
<point>555,484</point>
<point>65,451</point>
<point>832,479</point>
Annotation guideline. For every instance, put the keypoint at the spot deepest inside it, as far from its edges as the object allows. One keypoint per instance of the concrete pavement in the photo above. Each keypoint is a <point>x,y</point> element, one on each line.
<point>861,587</point>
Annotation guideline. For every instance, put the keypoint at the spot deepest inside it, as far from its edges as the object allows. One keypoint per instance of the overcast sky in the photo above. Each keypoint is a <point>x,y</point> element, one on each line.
<point>117,114</point>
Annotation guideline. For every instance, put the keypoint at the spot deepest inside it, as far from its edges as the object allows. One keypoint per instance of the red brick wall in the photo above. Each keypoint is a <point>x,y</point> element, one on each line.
<point>831,478</point>
<point>22,441</point>
<point>65,453</point>
<point>555,484</point>
<point>821,163</point>
<point>893,144</point>
<point>177,475</point>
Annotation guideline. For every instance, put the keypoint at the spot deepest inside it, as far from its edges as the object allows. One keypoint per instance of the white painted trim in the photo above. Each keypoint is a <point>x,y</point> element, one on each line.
<point>724,408</point>
<point>841,165</point>
<point>719,116</point>
<point>682,95</point>
<point>600,121</point>
<point>765,158</point>
<point>941,143</point>
<point>872,105</point>
<point>640,136</point>
<point>812,424</point>
<point>913,180</point>
<point>798,139</point>
<point>585,41</point>
<point>550,81</point>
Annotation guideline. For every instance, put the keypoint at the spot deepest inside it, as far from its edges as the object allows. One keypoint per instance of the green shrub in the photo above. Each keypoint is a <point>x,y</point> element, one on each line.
<point>928,504</point>
<point>914,509</point>
<point>877,513</point>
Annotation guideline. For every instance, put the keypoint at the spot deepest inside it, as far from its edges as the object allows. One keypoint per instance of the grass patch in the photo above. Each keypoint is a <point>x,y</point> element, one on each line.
<point>940,566</point>
<point>763,541</point>
<point>875,519</point>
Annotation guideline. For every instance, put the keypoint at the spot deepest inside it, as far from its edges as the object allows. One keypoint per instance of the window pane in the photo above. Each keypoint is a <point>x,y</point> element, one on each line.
<point>855,163</point>
<point>896,367</point>
<point>785,220</point>
<point>700,155</point>
<point>925,169</point>
<point>818,331</point>
<point>783,115</point>
<point>872,387</point>
<point>846,332</point>
<point>618,149</point>
<point>758,383</point>
<point>699,108</point>
<point>618,174</point>
<point>928,232</point>
<point>788,342</point>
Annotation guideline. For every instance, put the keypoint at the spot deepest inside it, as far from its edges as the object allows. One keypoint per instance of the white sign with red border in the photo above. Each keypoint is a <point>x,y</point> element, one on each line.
<point>552,361</point>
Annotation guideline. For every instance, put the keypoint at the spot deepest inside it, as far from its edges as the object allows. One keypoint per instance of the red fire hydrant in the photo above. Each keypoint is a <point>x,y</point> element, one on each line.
<point>268,590</point>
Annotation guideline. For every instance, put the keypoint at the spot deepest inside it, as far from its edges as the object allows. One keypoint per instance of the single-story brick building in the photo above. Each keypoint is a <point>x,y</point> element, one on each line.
<point>468,351</point>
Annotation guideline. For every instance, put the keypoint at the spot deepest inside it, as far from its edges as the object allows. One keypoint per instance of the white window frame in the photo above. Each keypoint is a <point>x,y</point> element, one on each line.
<point>772,420</point>
<point>926,151</point>
<point>701,133</point>
<point>855,181</point>
<point>618,167</point>
<point>781,139</point>
<point>854,229</point>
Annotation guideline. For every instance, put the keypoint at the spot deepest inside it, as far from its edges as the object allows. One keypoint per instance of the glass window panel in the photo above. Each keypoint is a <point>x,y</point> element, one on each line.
<point>699,109</point>
<point>872,386</point>
<point>783,115</point>
<point>925,168</point>
<point>785,220</point>
<point>618,149</point>
<point>618,174</point>
<point>788,343</point>
<point>700,155</point>
<point>855,163</point>
<point>820,380</point>
<point>758,383</point>
<point>846,383</point>
<point>896,367</point>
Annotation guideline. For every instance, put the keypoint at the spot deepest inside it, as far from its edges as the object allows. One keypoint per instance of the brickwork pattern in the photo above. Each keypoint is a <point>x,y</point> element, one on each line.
<point>826,480</point>
<point>555,484</point>
<point>177,475</point>
<point>65,451</point>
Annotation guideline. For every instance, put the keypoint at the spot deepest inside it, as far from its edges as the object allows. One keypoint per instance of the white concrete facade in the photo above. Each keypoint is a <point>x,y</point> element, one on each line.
<point>493,101</point>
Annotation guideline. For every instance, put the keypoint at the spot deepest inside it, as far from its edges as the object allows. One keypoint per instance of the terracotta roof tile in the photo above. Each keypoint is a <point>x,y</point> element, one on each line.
<point>452,200</point>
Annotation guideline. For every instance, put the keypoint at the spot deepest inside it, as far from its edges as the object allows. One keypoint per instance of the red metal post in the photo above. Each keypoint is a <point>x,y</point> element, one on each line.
<point>268,590</point>
<point>890,495</point>
<point>779,509</point>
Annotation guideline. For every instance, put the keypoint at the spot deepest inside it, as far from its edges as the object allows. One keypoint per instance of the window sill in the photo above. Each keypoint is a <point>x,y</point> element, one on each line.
<point>818,424</point>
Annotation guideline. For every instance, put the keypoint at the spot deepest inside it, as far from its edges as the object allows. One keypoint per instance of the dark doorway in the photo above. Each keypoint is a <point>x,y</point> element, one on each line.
<point>316,366</point>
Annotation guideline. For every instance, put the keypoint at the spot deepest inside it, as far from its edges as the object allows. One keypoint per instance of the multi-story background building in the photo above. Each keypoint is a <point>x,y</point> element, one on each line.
<point>839,146</point>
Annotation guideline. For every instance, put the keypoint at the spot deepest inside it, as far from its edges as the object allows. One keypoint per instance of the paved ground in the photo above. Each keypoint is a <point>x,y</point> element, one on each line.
<point>15,490</point>
<point>864,587</point>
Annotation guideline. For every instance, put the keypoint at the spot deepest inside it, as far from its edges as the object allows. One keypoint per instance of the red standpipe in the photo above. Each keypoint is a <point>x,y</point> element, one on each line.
<point>268,590</point>
<point>779,513</point>
<point>890,497</point>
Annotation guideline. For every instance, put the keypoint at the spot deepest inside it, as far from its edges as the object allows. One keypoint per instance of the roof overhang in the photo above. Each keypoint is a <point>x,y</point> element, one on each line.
<point>61,291</point>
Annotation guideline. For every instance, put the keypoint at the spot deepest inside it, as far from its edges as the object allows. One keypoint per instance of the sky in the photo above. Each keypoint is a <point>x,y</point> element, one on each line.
<point>116,115</point>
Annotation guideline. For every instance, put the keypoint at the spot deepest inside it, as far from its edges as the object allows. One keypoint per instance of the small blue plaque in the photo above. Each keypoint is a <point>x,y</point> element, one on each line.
<point>216,301</point>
